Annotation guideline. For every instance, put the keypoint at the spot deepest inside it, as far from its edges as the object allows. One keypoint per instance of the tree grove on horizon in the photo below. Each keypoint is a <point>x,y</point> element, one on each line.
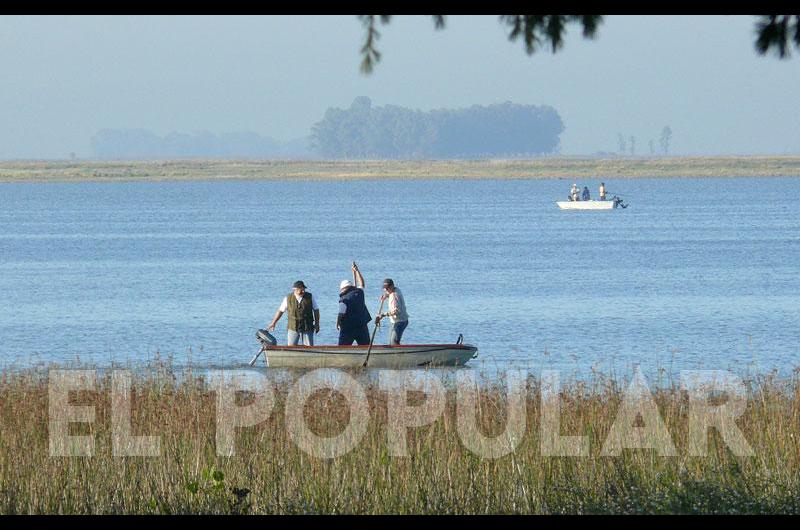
<point>393,132</point>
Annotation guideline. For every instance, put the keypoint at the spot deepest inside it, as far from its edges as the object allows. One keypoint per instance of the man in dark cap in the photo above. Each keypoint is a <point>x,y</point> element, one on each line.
<point>397,313</point>
<point>303,317</point>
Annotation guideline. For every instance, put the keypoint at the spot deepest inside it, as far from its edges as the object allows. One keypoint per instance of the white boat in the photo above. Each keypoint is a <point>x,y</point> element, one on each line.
<point>381,356</point>
<point>616,202</point>
<point>586,205</point>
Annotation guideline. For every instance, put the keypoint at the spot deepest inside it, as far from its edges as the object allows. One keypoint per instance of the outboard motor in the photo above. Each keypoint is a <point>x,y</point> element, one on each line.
<point>265,338</point>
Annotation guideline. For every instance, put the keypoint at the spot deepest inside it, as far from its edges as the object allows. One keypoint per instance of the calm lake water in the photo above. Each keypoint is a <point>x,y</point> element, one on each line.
<point>697,273</point>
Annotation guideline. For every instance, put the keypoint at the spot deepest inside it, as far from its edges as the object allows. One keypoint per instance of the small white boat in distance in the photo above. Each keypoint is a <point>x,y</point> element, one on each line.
<point>616,202</point>
<point>586,205</point>
<point>381,356</point>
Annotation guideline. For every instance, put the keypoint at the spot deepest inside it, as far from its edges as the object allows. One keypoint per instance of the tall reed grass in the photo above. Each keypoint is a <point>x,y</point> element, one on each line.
<point>269,474</point>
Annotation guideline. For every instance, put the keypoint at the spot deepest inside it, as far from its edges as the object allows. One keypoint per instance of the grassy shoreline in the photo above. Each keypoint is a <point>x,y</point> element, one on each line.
<point>539,168</point>
<point>270,474</point>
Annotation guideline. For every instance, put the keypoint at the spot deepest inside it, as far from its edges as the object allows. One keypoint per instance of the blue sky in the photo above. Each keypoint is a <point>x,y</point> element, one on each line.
<point>65,77</point>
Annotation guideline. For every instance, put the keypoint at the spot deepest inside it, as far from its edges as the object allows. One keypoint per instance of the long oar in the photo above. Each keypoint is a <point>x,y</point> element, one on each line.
<point>372,339</point>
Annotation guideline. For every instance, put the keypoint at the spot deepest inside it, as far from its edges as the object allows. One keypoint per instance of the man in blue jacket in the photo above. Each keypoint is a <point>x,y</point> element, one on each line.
<point>353,314</point>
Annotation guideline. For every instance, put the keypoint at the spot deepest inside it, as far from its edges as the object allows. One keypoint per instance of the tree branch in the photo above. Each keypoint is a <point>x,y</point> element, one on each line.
<point>370,54</point>
<point>535,29</point>
<point>774,33</point>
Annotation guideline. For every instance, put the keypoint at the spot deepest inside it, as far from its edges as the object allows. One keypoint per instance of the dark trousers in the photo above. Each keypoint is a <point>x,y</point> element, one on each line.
<point>360,335</point>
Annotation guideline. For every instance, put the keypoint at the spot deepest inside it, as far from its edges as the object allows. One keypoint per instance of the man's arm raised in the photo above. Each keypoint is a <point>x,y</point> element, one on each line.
<point>357,276</point>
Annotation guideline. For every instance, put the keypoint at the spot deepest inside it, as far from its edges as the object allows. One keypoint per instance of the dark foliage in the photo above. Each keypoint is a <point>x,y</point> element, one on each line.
<point>776,32</point>
<point>773,32</point>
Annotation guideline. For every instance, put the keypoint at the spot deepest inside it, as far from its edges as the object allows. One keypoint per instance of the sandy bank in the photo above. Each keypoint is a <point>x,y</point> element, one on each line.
<point>565,167</point>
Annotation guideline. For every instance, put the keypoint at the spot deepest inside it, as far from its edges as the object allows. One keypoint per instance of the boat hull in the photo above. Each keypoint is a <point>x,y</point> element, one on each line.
<point>402,356</point>
<point>587,205</point>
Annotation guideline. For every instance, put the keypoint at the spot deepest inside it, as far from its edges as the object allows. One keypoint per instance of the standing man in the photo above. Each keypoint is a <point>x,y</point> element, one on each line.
<point>353,315</point>
<point>303,317</point>
<point>397,313</point>
<point>602,191</point>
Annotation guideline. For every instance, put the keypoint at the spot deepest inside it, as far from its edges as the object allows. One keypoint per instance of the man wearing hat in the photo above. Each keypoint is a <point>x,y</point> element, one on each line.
<point>397,313</point>
<point>303,317</point>
<point>353,314</point>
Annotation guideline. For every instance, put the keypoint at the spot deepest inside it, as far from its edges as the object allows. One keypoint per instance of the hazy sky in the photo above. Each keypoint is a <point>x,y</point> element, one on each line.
<point>66,77</point>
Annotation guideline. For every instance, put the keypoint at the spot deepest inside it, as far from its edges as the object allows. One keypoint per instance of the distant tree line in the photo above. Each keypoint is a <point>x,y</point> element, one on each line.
<point>363,131</point>
<point>144,144</point>
<point>506,129</point>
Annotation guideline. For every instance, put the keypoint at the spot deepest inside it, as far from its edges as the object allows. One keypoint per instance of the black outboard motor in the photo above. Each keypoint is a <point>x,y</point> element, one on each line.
<point>265,338</point>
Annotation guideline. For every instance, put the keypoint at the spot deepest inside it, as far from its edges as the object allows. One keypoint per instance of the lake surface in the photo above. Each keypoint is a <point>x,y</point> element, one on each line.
<point>696,273</point>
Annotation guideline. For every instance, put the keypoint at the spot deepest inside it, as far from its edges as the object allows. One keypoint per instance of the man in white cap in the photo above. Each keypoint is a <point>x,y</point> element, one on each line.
<point>303,318</point>
<point>353,314</point>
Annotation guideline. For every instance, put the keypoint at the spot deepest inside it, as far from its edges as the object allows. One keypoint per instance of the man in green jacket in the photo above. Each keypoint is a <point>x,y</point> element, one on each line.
<point>303,316</point>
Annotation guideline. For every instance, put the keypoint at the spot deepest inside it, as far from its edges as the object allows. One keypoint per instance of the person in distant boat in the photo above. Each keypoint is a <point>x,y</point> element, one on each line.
<point>602,191</point>
<point>573,193</point>
<point>585,195</point>
<point>353,314</point>
<point>303,315</point>
<point>397,313</point>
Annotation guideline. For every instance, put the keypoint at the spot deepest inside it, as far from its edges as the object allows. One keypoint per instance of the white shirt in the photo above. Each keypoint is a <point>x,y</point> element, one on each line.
<point>397,303</point>
<point>285,303</point>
